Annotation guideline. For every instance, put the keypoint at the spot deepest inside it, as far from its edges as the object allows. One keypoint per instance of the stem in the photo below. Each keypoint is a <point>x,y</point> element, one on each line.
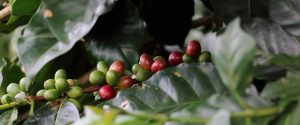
<point>239,99</point>
<point>257,112</point>
<point>8,106</point>
<point>91,89</point>
<point>4,13</point>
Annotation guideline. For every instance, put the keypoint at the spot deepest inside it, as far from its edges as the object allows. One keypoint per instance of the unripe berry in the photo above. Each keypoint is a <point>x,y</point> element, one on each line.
<point>75,92</point>
<point>76,103</point>
<point>97,78</point>
<point>175,58</point>
<point>118,66</point>
<point>159,58</point>
<point>112,77</point>
<point>61,85</point>
<point>158,65</point>
<point>49,84</point>
<point>60,74</point>
<point>102,66</point>
<point>13,89</point>
<point>125,82</point>
<point>193,48</point>
<point>51,94</point>
<point>6,99</point>
<point>41,92</point>
<point>74,82</point>
<point>143,75</point>
<point>136,68</point>
<point>107,92</point>
<point>145,61</point>
<point>204,57</point>
<point>25,83</point>
<point>187,59</point>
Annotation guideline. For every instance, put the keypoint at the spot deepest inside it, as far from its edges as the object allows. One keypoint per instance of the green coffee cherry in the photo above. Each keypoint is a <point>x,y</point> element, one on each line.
<point>136,68</point>
<point>143,75</point>
<point>97,78</point>
<point>204,57</point>
<point>60,74</point>
<point>75,92</point>
<point>25,83</point>
<point>187,59</point>
<point>61,85</point>
<point>76,103</point>
<point>159,58</point>
<point>49,84</point>
<point>41,92</point>
<point>51,95</point>
<point>13,89</point>
<point>74,82</point>
<point>112,77</point>
<point>102,66</point>
<point>6,99</point>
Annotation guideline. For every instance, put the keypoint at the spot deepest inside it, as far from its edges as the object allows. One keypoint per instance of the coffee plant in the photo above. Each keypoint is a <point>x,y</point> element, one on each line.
<point>150,62</point>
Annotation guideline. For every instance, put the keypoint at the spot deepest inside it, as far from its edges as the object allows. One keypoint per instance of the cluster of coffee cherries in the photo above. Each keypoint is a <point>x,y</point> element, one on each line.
<point>16,92</point>
<point>60,86</point>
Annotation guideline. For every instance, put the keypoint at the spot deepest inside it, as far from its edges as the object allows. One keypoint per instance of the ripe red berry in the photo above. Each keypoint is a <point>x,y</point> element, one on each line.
<point>158,65</point>
<point>107,92</point>
<point>117,66</point>
<point>145,61</point>
<point>125,82</point>
<point>175,58</point>
<point>193,48</point>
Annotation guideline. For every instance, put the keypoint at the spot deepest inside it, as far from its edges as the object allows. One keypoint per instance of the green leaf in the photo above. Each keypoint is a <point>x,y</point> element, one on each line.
<point>24,7</point>
<point>67,113</point>
<point>289,62</point>
<point>13,23</point>
<point>117,35</point>
<point>10,73</point>
<point>8,117</point>
<point>287,14</point>
<point>222,117</point>
<point>295,115</point>
<point>285,88</point>
<point>55,28</point>
<point>233,55</point>
<point>43,116</point>
<point>171,88</point>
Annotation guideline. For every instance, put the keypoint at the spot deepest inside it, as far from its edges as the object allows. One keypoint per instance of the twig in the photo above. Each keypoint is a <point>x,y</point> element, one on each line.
<point>5,13</point>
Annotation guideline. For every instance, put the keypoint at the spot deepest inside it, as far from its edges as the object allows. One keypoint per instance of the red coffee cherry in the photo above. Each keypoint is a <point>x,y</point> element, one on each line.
<point>145,61</point>
<point>193,48</point>
<point>158,65</point>
<point>107,92</point>
<point>175,58</point>
<point>117,66</point>
<point>125,82</point>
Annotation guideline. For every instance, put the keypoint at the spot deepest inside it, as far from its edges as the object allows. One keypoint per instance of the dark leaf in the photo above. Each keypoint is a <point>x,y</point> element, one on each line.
<point>8,117</point>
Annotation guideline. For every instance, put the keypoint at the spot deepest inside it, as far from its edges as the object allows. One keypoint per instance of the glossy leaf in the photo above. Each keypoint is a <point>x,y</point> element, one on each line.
<point>8,117</point>
<point>55,28</point>
<point>233,55</point>
<point>24,7</point>
<point>117,35</point>
<point>43,116</point>
<point>10,73</point>
<point>287,14</point>
<point>222,117</point>
<point>67,113</point>
<point>285,88</point>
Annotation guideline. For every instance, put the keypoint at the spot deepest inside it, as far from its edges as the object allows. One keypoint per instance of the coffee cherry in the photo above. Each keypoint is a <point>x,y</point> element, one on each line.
<point>25,83</point>
<point>193,48</point>
<point>6,99</point>
<point>74,82</point>
<point>175,58</point>
<point>136,68</point>
<point>143,75</point>
<point>51,94</point>
<point>41,92</point>
<point>76,103</point>
<point>145,61</point>
<point>102,66</point>
<point>112,77</point>
<point>187,58</point>
<point>125,82</point>
<point>61,85</point>
<point>159,58</point>
<point>158,65</point>
<point>204,57</point>
<point>118,66</point>
<point>60,74</point>
<point>107,92</point>
<point>49,84</point>
<point>13,89</point>
<point>97,78</point>
<point>75,92</point>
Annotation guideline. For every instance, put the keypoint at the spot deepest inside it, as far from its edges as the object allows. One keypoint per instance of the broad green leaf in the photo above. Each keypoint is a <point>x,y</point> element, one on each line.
<point>295,115</point>
<point>287,14</point>
<point>171,88</point>
<point>8,117</point>
<point>222,117</point>
<point>43,116</point>
<point>289,62</point>
<point>10,73</point>
<point>233,55</point>
<point>24,7</point>
<point>55,28</point>
<point>67,113</point>
<point>13,23</point>
<point>285,88</point>
<point>117,35</point>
